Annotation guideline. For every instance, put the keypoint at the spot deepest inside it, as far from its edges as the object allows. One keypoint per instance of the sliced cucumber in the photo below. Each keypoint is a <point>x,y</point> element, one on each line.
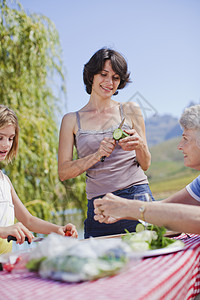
<point>119,134</point>
<point>140,227</point>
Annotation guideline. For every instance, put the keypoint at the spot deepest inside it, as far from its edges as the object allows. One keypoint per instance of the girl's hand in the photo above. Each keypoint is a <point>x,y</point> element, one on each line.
<point>132,142</point>
<point>68,230</point>
<point>106,147</point>
<point>17,230</point>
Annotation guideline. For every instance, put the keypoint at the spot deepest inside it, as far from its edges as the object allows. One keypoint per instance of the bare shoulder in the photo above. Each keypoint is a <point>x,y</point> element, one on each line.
<point>133,113</point>
<point>69,122</point>
<point>131,108</point>
<point>69,117</point>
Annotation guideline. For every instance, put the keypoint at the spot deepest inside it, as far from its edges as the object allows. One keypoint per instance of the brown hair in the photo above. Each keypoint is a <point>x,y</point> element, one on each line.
<point>96,63</point>
<point>8,117</point>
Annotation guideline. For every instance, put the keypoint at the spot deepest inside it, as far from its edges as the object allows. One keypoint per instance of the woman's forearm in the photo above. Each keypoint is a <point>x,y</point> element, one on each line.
<point>177,217</point>
<point>174,216</point>
<point>71,169</point>
<point>143,157</point>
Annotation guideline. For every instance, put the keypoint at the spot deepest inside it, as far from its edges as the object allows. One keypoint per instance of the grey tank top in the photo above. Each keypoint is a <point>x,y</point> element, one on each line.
<point>118,171</point>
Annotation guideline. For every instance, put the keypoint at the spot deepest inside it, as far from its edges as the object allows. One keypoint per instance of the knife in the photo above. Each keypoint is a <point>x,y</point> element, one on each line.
<point>13,238</point>
<point>120,126</point>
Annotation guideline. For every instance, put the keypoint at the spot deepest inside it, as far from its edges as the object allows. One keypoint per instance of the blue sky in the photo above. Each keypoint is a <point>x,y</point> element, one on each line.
<point>160,40</point>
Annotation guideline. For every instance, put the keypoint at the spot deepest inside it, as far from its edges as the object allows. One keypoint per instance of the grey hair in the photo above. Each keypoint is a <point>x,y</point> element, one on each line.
<point>190,119</point>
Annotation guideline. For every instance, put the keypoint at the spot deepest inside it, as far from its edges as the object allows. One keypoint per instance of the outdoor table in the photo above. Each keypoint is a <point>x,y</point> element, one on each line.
<point>170,276</point>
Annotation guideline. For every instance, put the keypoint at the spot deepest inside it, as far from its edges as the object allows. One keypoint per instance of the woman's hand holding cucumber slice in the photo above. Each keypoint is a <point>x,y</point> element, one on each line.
<point>131,142</point>
<point>106,147</point>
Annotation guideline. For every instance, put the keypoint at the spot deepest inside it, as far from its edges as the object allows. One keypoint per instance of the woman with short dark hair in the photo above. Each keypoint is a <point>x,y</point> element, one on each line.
<point>110,166</point>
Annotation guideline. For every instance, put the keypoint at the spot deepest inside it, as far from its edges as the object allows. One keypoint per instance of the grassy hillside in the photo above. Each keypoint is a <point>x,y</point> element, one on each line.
<point>167,173</point>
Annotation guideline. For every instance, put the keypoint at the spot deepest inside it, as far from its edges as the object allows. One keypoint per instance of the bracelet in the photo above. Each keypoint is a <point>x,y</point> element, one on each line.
<point>142,210</point>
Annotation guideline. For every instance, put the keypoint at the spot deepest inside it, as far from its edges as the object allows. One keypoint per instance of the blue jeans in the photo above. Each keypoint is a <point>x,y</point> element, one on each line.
<point>93,228</point>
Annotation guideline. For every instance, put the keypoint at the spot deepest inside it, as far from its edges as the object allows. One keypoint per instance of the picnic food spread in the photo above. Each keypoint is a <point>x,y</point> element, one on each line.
<point>150,239</point>
<point>72,260</point>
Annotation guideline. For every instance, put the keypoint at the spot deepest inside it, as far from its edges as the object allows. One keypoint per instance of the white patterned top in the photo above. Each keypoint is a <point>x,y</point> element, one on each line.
<point>6,205</point>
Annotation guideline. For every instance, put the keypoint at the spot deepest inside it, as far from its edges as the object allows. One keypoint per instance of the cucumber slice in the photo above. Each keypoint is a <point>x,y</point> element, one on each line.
<point>140,227</point>
<point>119,134</point>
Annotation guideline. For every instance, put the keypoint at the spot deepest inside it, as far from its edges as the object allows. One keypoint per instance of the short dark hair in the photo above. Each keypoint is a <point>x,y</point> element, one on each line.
<point>97,62</point>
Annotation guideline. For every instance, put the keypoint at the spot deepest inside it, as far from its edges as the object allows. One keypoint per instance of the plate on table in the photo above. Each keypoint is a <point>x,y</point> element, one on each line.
<point>156,252</point>
<point>150,253</point>
<point>168,233</point>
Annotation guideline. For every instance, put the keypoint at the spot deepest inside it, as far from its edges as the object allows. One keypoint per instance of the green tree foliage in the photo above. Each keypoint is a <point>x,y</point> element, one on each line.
<point>30,58</point>
<point>40,209</point>
<point>33,84</point>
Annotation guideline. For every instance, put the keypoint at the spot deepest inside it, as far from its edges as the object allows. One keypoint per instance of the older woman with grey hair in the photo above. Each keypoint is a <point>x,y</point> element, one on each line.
<point>181,211</point>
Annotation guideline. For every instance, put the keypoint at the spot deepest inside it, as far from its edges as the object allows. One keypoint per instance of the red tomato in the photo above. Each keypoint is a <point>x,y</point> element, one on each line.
<point>68,233</point>
<point>8,267</point>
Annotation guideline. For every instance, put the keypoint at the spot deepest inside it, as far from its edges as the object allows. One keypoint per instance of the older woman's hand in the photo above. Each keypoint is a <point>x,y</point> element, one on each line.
<point>131,142</point>
<point>109,209</point>
<point>107,220</point>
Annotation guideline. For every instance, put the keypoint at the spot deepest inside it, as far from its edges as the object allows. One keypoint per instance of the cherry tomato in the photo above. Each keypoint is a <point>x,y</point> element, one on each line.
<point>8,267</point>
<point>68,233</point>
